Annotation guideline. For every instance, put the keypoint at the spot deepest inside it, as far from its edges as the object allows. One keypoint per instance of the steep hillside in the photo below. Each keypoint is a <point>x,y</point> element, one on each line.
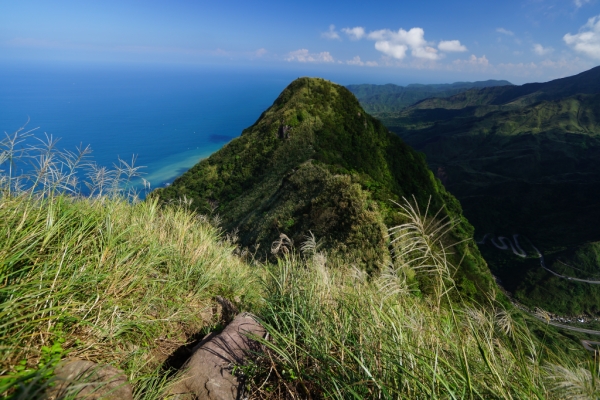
<point>134,290</point>
<point>137,286</point>
<point>315,162</point>
<point>394,98</point>
<point>522,160</point>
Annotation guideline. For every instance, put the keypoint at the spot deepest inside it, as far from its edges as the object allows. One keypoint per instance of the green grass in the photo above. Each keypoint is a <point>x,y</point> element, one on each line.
<point>111,281</point>
<point>334,333</point>
<point>122,283</point>
<point>114,280</point>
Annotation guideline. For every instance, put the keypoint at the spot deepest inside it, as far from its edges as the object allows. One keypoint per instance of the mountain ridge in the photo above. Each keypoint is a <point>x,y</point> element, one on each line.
<point>394,98</point>
<point>587,82</point>
<point>316,163</point>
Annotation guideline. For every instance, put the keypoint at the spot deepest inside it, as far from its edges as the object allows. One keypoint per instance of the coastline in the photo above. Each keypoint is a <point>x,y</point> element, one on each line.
<point>167,169</point>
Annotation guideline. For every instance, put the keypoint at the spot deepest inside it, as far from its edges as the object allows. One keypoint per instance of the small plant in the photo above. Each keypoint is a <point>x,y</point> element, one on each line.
<point>35,378</point>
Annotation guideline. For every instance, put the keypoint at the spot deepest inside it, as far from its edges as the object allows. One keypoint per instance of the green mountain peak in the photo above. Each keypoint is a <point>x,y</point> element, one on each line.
<point>315,163</point>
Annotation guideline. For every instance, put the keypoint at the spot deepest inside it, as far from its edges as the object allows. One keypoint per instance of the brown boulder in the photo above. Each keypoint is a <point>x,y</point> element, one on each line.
<point>208,372</point>
<point>81,379</point>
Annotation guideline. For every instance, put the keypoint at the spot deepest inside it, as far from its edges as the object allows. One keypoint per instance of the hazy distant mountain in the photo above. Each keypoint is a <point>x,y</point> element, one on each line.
<point>523,159</point>
<point>393,98</point>
<point>315,162</point>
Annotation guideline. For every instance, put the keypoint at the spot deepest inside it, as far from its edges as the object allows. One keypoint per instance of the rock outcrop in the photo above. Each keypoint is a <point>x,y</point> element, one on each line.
<point>208,372</point>
<point>82,379</point>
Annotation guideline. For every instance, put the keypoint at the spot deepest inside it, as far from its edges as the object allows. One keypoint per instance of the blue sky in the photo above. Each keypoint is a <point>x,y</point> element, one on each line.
<point>421,41</point>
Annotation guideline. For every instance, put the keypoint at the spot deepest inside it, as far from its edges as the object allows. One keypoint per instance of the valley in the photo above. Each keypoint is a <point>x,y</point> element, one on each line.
<point>522,159</point>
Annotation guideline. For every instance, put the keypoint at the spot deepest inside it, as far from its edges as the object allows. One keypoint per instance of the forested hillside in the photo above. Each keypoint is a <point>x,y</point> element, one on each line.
<point>523,160</point>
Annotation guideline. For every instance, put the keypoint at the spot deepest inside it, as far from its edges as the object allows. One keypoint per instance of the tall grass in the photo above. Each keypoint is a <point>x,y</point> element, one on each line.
<point>111,279</point>
<point>334,333</point>
<point>102,277</point>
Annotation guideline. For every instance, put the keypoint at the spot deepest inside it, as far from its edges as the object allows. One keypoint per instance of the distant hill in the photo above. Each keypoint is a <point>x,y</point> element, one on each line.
<point>393,98</point>
<point>315,162</point>
<point>523,159</point>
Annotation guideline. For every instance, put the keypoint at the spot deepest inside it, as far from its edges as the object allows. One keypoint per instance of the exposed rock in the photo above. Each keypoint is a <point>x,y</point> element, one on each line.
<point>228,310</point>
<point>284,131</point>
<point>208,372</point>
<point>81,379</point>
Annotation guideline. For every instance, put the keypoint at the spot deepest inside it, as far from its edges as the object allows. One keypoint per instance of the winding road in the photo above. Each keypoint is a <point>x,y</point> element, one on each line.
<point>571,328</point>
<point>503,243</point>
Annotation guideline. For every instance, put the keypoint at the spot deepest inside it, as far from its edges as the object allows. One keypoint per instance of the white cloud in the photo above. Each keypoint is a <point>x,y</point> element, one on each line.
<point>357,61</point>
<point>426,52</point>
<point>473,60</point>
<point>260,52</point>
<point>505,32</point>
<point>396,44</point>
<point>304,56</point>
<point>356,33</point>
<point>331,33</point>
<point>580,3</point>
<point>451,45</point>
<point>397,51</point>
<point>587,41</point>
<point>541,50</point>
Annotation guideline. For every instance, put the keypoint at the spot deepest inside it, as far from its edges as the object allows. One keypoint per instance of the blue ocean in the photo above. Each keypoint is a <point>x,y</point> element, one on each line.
<point>168,117</point>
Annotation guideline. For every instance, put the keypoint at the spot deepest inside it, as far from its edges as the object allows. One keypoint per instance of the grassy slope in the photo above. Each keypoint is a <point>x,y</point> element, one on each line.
<point>522,159</point>
<point>334,176</point>
<point>128,283</point>
<point>108,281</point>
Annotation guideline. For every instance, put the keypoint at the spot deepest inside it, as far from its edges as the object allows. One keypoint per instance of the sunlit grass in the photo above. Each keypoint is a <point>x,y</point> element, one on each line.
<point>108,278</point>
<point>111,279</point>
<point>335,333</point>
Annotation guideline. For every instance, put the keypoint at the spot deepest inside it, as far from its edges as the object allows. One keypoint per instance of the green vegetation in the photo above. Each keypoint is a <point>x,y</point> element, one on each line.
<point>125,283</point>
<point>315,162</point>
<point>393,98</point>
<point>522,159</point>
<point>114,280</point>
<point>128,284</point>
<point>568,298</point>
<point>104,277</point>
<point>335,334</point>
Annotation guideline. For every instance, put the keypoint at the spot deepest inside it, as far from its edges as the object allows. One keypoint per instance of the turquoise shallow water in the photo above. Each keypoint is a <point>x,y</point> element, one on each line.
<point>169,118</point>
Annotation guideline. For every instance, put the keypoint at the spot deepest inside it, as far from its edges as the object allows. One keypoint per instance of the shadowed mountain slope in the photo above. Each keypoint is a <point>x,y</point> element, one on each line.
<point>315,162</point>
<point>523,159</point>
